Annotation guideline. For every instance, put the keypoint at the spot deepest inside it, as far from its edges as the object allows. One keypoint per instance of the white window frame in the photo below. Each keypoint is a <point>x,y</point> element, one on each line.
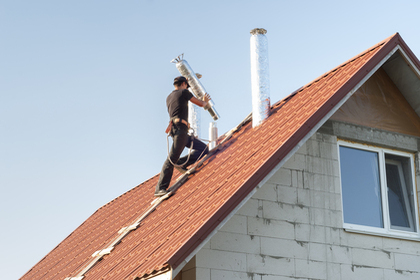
<point>386,230</point>
<point>405,194</point>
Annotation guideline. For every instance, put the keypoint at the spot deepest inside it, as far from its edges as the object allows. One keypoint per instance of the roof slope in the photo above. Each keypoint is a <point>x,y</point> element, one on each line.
<point>180,224</point>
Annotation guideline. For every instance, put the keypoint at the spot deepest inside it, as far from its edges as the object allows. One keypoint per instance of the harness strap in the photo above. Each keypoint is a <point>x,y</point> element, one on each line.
<point>175,121</point>
<point>178,120</point>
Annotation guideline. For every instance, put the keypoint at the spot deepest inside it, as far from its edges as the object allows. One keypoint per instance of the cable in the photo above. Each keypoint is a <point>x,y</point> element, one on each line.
<point>189,153</point>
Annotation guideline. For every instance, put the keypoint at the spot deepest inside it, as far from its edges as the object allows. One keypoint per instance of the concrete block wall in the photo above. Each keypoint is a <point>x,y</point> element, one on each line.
<point>292,229</point>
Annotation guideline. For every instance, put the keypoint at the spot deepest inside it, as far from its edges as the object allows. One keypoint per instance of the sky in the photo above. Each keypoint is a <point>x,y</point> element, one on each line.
<point>83,86</point>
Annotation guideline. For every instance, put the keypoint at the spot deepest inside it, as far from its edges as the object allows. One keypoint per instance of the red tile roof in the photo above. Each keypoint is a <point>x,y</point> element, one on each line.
<point>180,224</point>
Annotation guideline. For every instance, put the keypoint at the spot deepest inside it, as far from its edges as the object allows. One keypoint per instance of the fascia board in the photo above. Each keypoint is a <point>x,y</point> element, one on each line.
<point>407,58</point>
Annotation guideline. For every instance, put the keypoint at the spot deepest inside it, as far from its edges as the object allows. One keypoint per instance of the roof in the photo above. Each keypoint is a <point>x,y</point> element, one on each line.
<point>179,225</point>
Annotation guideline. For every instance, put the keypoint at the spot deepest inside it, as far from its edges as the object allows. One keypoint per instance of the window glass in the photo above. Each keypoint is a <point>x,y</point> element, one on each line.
<point>361,189</point>
<point>400,196</point>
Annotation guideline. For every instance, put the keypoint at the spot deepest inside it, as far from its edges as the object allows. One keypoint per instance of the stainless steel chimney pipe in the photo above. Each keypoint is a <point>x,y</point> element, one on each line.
<point>260,79</point>
<point>194,114</point>
<point>194,118</point>
<point>196,86</point>
<point>212,135</point>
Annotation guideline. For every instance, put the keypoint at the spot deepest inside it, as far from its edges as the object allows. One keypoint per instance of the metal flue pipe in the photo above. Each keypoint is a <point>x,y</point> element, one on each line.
<point>212,135</point>
<point>194,115</point>
<point>194,118</point>
<point>260,79</point>
<point>196,86</point>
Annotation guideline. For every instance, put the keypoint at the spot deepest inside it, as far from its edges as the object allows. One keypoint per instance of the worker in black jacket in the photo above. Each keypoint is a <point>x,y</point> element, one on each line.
<point>177,103</point>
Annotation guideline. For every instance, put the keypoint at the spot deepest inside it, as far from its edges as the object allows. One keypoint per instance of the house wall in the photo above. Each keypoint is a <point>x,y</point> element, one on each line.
<point>292,227</point>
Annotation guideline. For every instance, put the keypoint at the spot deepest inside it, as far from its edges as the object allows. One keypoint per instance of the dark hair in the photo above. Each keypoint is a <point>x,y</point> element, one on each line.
<point>179,80</point>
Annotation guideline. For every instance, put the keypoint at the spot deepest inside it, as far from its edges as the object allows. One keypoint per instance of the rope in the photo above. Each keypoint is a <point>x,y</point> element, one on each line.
<point>203,140</point>
<point>189,153</point>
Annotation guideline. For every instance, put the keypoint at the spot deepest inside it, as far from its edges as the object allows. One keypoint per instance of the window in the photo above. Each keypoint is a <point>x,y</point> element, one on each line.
<point>378,190</point>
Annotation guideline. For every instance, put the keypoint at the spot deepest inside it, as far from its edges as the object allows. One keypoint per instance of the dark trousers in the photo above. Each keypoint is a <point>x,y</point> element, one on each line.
<point>181,139</point>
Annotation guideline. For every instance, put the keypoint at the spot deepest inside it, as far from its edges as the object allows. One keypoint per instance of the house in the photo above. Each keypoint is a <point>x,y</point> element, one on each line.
<point>324,188</point>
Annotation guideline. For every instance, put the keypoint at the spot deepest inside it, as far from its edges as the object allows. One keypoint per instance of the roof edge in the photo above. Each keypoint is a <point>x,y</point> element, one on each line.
<point>408,52</point>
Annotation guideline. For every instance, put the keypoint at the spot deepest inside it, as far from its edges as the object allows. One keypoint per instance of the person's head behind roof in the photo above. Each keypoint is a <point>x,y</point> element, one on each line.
<point>179,80</point>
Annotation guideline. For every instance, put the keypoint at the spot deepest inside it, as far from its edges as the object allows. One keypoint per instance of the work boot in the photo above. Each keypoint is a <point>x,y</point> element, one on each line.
<point>161,192</point>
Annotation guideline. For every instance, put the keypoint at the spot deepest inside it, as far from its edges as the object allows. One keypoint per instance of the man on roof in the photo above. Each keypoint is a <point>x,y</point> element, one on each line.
<point>177,103</point>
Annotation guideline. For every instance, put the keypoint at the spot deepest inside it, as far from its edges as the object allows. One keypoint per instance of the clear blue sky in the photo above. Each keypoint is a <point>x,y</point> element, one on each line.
<point>83,87</point>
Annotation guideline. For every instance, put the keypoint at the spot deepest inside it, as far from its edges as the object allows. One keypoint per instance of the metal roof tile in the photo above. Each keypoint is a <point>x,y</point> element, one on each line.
<point>170,233</point>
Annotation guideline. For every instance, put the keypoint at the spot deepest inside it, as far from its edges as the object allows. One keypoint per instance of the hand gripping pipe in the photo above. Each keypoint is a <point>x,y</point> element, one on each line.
<point>196,86</point>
